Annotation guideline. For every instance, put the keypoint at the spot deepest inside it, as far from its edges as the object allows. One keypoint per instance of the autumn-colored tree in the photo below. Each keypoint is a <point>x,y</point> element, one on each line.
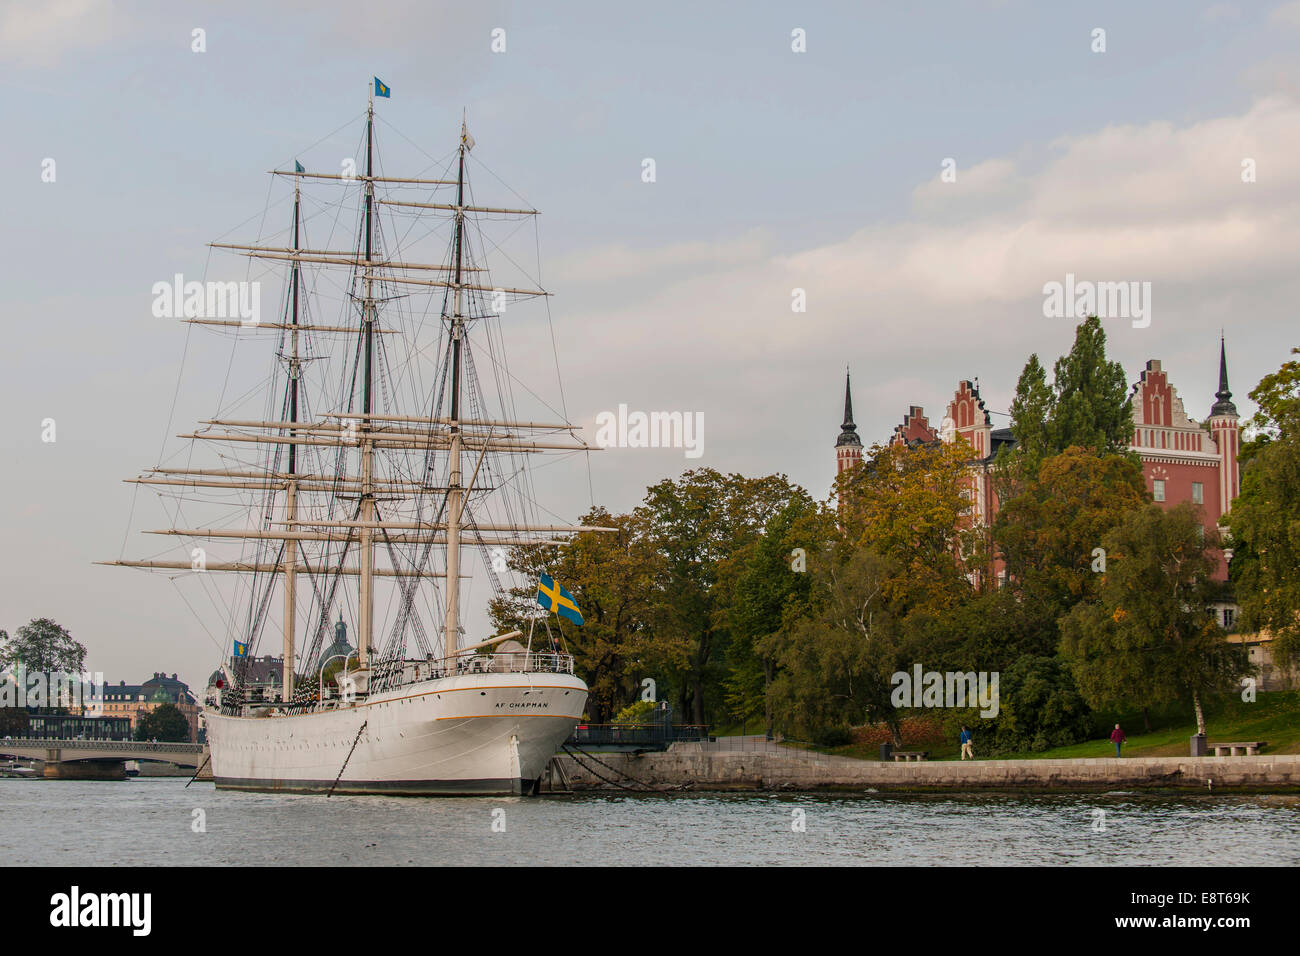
<point>1050,534</point>
<point>901,551</point>
<point>911,505</point>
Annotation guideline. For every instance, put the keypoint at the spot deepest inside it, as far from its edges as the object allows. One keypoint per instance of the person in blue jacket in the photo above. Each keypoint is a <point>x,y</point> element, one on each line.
<point>966,749</point>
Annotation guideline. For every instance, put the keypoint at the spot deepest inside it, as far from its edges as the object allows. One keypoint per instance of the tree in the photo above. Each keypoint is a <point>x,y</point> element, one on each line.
<point>1151,635</point>
<point>1265,519</point>
<point>910,504</point>
<point>771,586</point>
<point>1031,409</point>
<point>836,662</point>
<point>1049,533</point>
<point>1091,407</point>
<point>610,575</point>
<point>900,554</point>
<point>42,645</point>
<point>694,527</point>
<point>165,722</point>
<point>1040,707</point>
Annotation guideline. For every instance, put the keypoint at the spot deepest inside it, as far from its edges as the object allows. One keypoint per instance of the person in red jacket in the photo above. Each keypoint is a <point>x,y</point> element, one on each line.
<point>1117,738</point>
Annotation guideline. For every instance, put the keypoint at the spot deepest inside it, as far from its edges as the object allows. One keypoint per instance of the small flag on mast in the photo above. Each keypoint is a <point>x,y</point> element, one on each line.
<point>297,167</point>
<point>381,89</point>
<point>241,650</point>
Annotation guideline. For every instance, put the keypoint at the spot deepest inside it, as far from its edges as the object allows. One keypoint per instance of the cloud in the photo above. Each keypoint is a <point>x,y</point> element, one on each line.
<point>1287,13</point>
<point>956,289</point>
<point>42,34</point>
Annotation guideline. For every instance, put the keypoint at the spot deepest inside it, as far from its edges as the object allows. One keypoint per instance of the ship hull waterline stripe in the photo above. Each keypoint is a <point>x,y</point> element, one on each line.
<point>397,788</point>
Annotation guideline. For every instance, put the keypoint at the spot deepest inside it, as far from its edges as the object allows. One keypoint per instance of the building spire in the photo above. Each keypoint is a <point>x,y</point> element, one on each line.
<point>1224,404</point>
<point>849,434</point>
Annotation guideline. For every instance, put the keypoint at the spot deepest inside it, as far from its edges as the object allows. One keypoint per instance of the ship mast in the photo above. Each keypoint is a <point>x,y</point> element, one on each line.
<point>291,492</point>
<point>455,494</point>
<point>371,432</point>
<point>366,609</point>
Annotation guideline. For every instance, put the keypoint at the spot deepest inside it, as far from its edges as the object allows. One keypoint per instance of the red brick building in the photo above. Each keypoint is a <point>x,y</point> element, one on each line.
<point>1182,459</point>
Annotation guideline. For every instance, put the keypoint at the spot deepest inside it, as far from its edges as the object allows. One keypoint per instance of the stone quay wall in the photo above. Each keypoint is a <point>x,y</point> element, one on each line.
<point>690,766</point>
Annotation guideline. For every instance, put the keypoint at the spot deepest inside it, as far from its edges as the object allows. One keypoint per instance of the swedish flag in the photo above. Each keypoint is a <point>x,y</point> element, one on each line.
<point>554,598</point>
<point>241,650</point>
<point>381,89</point>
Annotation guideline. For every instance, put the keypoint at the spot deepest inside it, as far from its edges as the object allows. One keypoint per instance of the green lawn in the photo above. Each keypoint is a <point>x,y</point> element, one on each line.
<point>1274,717</point>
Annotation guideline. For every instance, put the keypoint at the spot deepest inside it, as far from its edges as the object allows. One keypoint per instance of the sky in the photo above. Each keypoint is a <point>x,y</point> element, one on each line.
<point>775,170</point>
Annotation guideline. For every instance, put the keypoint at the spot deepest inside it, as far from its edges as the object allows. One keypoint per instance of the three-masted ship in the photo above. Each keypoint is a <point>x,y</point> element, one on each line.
<point>373,481</point>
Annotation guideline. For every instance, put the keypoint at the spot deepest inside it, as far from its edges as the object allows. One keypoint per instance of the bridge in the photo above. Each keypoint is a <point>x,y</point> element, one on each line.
<point>99,759</point>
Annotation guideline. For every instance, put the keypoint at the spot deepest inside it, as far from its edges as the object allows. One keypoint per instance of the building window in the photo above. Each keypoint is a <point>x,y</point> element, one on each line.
<point>1158,489</point>
<point>1198,493</point>
<point>1228,617</point>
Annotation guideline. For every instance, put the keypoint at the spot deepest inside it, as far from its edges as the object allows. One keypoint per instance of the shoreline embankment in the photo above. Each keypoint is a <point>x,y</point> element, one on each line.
<point>692,766</point>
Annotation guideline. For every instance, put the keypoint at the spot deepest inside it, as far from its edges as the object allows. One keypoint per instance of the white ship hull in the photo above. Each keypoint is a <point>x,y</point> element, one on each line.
<point>471,734</point>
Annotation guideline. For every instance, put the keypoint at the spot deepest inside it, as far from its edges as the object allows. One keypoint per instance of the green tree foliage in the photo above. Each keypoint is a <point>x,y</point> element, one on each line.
<point>1150,635</point>
<point>13,720</point>
<point>1265,519</point>
<point>164,723</point>
<point>1040,707</point>
<point>1087,405</point>
<point>771,586</point>
<point>42,645</point>
<point>695,527</point>
<point>1092,408</point>
<point>1031,409</point>
<point>657,593</point>
<point>640,712</point>
<point>1049,532</point>
<point>835,664</point>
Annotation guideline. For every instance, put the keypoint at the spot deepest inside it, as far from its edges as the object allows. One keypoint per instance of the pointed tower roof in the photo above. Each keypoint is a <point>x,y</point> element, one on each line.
<point>849,435</point>
<point>1224,404</point>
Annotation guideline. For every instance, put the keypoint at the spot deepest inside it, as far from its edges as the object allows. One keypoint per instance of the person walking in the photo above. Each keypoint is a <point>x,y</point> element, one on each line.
<point>966,749</point>
<point>1117,738</point>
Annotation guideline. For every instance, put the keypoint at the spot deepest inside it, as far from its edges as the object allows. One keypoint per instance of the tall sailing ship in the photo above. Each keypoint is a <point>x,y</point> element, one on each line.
<point>375,474</point>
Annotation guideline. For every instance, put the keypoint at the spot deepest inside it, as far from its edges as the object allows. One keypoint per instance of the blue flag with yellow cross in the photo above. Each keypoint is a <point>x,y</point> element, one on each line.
<point>554,598</point>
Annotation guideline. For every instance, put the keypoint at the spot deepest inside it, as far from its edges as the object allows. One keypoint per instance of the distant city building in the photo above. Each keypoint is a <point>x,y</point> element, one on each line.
<point>73,726</point>
<point>1259,649</point>
<point>339,647</point>
<point>262,679</point>
<point>135,700</point>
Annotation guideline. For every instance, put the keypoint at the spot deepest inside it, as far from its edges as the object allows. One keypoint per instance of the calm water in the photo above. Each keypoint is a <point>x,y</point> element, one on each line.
<point>148,821</point>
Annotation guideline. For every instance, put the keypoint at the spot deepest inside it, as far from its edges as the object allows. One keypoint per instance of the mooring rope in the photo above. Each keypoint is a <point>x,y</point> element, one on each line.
<point>355,740</point>
<point>649,787</point>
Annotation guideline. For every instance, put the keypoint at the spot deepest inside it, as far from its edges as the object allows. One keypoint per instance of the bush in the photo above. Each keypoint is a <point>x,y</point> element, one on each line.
<point>833,736</point>
<point>1040,708</point>
<point>641,712</point>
